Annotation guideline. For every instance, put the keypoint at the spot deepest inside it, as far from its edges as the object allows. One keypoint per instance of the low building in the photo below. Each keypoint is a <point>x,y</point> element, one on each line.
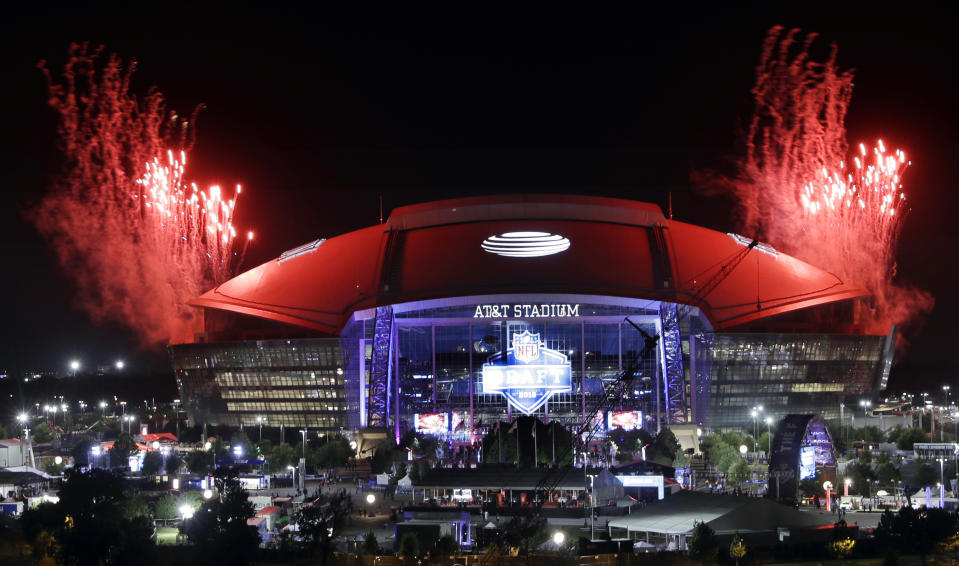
<point>12,453</point>
<point>760,522</point>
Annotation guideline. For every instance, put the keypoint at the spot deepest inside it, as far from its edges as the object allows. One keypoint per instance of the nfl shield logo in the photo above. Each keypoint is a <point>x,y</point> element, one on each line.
<point>526,347</point>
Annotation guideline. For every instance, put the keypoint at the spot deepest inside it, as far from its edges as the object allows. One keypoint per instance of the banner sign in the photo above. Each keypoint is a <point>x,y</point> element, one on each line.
<point>527,374</point>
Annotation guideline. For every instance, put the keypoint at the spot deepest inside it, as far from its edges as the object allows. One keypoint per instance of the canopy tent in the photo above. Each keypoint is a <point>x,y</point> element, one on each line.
<point>607,488</point>
<point>725,514</point>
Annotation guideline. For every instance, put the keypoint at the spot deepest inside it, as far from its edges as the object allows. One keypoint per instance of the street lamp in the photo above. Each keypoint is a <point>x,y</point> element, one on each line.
<point>119,365</point>
<point>559,538</point>
<point>846,485</point>
<point>769,436</point>
<point>303,432</point>
<point>259,421</point>
<point>293,471</point>
<point>74,366</point>
<point>370,498</point>
<point>754,414</point>
<point>186,511</point>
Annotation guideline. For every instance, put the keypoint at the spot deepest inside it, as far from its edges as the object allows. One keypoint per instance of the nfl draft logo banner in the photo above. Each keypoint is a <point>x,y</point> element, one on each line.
<point>527,374</point>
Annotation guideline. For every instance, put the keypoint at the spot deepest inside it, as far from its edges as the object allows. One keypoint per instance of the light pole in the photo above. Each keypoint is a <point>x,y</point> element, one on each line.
<point>755,415</point>
<point>303,432</point>
<point>259,421</point>
<point>123,408</point>
<point>103,409</point>
<point>293,470</point>
<point>942,482</point>
<point>209,446</point>
<point>769,436</point>
<point>842,421</point>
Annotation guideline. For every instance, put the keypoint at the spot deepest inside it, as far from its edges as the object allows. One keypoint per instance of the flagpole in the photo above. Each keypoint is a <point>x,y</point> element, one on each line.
<point>552,436</point>
<point>499,437</point>
<point>516,426</point>
<point>535,447</point>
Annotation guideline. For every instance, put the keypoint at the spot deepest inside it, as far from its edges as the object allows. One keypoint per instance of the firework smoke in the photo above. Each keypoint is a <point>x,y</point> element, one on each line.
<point>138,240</point>
<point>800,187</point>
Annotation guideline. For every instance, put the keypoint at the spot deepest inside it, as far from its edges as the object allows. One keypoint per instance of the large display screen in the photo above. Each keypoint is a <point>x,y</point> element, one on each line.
<point>807,462</point>
<point>626,420</point>
<point>432,423</point>
<point>527,374</point>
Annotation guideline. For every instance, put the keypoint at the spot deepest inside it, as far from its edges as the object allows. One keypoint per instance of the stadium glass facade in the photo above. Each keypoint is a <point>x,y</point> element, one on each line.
<point>438,350</point>
<point>293,383</point>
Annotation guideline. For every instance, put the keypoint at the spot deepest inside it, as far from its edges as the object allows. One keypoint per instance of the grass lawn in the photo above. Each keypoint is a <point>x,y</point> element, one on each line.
<point>167,535</point>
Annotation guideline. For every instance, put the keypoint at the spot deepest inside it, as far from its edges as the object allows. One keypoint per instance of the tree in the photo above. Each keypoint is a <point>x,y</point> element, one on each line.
<point>664,447</point>
<point>737,549</point>
<point>135,506</point>
<point>219,528</point>
<point>841,548</point>
<point>370,544</point>
<point>81,451</point>
<point>740,471</point>
<point>199,462</point>
<point>702,544</point>
<point>499,437</point>
<point>910,436</point>
<point>123,448</point>
<point>525,532</point>
<point>166,508</point>
<point>409,545</point>
<point>152,463</point>
<point>886,472</point>
<point>281,456</point>
<point>92,522</point>
<point>264,448</point>
<point>173,463</point>
<point>42,433</point>
<point>240,439</point>
<point>381,459</point>
<point>399,472</point>
<point>926,474</point>
<point>334,453</point>
<point>445,546</point>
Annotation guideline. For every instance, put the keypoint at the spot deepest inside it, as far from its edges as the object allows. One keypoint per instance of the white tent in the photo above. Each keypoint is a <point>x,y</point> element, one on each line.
<point>606,488</point>
<point>404,484</point>
<point>382,479</point>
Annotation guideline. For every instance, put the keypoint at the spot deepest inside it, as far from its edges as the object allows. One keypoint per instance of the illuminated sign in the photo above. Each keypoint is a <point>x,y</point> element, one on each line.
<point>525,244</point>
<point>626,420</point>
<point>431,423</point>
<point>543,310</point>
<point>807,462</point>
<point>527,374</point>
<point>645,481</point>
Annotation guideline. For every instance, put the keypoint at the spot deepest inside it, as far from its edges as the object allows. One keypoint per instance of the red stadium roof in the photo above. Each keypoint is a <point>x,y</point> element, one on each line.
<point>615,247</point>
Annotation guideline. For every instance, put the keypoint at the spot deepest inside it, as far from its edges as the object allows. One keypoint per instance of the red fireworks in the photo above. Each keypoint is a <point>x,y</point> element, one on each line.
<point>800,188</point>
<point>137,238</point>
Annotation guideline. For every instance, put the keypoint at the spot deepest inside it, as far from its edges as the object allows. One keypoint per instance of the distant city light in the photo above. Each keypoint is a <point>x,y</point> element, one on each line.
<point>74,365</point>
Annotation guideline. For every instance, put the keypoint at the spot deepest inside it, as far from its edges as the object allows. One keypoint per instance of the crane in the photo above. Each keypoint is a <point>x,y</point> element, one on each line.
<point>724,271</point>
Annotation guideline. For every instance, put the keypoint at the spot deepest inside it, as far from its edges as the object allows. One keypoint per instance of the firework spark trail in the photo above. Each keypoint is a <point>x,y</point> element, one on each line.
<point>136,237</point>
<point>800,189</point>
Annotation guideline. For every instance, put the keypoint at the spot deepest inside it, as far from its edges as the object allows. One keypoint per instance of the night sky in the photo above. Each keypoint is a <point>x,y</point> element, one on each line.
<point>319,117</point>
